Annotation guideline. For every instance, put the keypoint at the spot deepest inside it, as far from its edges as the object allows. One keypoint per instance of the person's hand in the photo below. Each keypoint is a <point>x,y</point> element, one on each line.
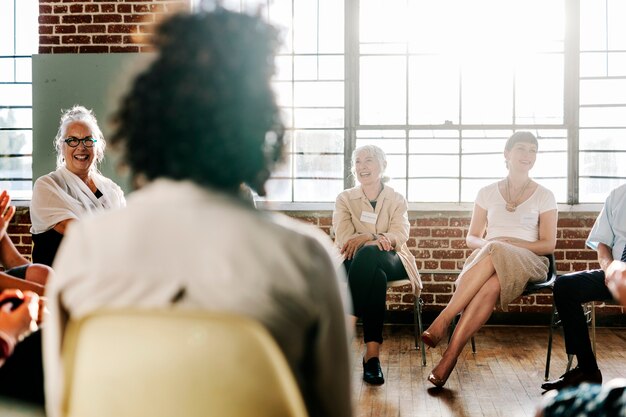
<point>615,280</point>
<point>383,243</point>
<point>354,244</point>
<point>6,212</point>
<point>21,321</point>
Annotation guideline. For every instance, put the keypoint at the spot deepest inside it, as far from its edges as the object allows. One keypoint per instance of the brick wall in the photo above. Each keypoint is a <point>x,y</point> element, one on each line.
<point>438,242</point>
<point>100,26</point>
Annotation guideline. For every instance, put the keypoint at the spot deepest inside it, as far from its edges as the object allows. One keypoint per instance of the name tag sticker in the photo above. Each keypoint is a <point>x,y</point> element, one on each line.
<point>530,219</point>
<point>369,217</point>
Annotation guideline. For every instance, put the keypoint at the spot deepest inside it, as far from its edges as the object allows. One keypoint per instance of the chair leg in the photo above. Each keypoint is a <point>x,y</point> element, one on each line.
<point>593,327</point>
<point>570,358</point>
<point>551,332</point>
<point>418,327</point>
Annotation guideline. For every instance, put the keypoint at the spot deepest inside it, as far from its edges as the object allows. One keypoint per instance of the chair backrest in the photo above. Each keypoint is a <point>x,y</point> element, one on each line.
<point>548,283</point>
<point>175,363</point>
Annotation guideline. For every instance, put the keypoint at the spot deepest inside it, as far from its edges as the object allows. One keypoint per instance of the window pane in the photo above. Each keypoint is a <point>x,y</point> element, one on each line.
<point>17,142</point>
<point>610,164</point>
<point>331,32</point>
<point>307,118</point>
<point>19,190</point>
<point>317,190</point>
<point>319,166</point>
<point>433,190</point>
<point>433,90</point>
<point>15,95</point>
<point>433,166</point>
<point>595,190</point>
<point>318,94</point>
<point>539,90</point>
<point>7,70</point>
<point>7,28</point>
<point>439,145</point>
<point>16,167</point>
<point>616,18</point>
<point>27,38</point>
<point>607,91</point>
<point>322,141</point>
<point>593,64</point>
<point>278,190</point>
<point>592,25</point>
<point>382,90</point>
<point>604,139</point>
<point>602,117</point>
<point>23,70</point>
<point>487,90</point>
<point>550,164</point>
<point>380,21</point>
<point>617,64</point>
<point>483,166</point>
<point>305,37</point>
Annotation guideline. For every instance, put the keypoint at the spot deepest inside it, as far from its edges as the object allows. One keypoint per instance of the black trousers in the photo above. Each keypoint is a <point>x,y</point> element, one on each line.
<point>570,292</point>
<point>368,272</point>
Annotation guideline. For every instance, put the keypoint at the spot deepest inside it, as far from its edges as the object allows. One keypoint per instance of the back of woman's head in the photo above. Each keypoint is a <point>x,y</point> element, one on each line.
<point>205,110</point>
<point>85,116</point>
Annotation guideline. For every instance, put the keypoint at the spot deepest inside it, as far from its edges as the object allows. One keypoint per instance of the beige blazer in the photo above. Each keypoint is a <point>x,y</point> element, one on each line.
<point>392,221</point>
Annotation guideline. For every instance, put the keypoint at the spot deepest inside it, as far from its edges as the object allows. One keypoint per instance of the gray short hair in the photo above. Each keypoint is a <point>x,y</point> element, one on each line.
<point>83,115</point>
<point>377,153</point>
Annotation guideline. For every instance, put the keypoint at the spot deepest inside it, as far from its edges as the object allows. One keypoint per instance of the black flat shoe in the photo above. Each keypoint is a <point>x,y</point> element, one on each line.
<point>372,373</point>
<point>573,377</point>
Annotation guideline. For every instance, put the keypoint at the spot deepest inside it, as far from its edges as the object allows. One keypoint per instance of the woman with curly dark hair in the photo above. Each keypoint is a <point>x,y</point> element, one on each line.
<point>199,122</point>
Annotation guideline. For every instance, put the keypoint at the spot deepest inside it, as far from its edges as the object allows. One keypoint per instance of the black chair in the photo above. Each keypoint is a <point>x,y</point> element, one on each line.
<point>418,304</point>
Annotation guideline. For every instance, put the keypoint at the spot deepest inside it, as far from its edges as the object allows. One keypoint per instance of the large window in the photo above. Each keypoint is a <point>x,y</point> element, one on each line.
<point>440,85</point>
<point>18,41</point>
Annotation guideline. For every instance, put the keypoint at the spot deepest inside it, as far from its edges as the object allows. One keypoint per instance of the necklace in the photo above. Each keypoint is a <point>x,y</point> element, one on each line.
<point>511,204</point>
<point>379,191</point>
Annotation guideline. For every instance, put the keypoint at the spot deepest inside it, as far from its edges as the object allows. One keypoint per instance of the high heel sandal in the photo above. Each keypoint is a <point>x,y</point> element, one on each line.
<point>440,382</point>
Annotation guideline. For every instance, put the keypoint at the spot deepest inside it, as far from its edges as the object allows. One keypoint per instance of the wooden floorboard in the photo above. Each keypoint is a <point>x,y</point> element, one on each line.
<point>502,379</point>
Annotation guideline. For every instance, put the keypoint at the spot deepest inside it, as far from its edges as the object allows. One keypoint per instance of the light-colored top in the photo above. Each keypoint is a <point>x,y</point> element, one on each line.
<point>225,256</point>
<point>523,223</point>
<point>610,226</point>
<point>61,195</point>
<point>391,219</point>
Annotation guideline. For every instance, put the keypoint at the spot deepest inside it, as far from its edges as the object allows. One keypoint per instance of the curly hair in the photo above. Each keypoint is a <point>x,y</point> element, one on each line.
<point>205,110</point>
<point>83,115</point>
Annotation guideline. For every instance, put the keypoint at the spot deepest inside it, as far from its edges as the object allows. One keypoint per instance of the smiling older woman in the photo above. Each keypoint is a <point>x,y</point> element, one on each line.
<point>76,188</point>
<point>372,227</point>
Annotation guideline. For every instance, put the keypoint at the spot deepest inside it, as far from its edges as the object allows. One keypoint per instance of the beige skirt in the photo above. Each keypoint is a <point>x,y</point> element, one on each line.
<point>514,266</point>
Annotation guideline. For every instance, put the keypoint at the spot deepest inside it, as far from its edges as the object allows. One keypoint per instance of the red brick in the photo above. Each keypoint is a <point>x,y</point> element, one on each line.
<point>402,288</point>
<point>65,49</point>
<point>26,240</point>
<point>45,30</point>
<point>76,8</point>
<point>45,49</point>
<point>438,288</point>
<point>570,244</point>
<point>431,264</point>
<point>124,8</point>
<point>107,39</point>
<point>458,244</point>
<point>138,18</point>
<point>80,18</point>
<point>431,222</point>
<point>49,40</point>
<point>419,232</point>
<point>76,39</point>
<point>93,49</point>
<point>60,9</point>
<point>576,222</point>
<point>107,18</point>
<point>92,29</point>
<point>442,299</point>
<point>418,264</point>
<point>43,9</point>
<point>575,234</point>
<point>47,19</point>
<point>108,8</point>
<point>394,297</point>
<point>446,233</point>
<point>445,277</point>
<point>433,243</point>
<point>588,255</point>
<point>460,222</point>
<point>448,254</point>
<point>420,254</point>
<point>408,299</point>
<point>122,49</point>
<point>65,29</point>
<point>450,265</point>
<point>92,8</point>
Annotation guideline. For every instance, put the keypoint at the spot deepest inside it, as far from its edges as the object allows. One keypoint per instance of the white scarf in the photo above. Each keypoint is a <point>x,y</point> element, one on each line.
<point>61,195</point>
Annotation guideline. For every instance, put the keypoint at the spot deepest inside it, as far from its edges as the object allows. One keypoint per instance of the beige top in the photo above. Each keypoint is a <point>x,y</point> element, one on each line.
<point>392,220</point>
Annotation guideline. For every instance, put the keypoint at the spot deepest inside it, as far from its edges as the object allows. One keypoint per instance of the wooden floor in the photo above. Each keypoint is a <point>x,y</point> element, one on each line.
<point>502,379</point>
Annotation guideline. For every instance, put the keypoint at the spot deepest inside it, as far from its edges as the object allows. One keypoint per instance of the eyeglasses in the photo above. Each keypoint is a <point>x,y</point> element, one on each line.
<point>73,142</point>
